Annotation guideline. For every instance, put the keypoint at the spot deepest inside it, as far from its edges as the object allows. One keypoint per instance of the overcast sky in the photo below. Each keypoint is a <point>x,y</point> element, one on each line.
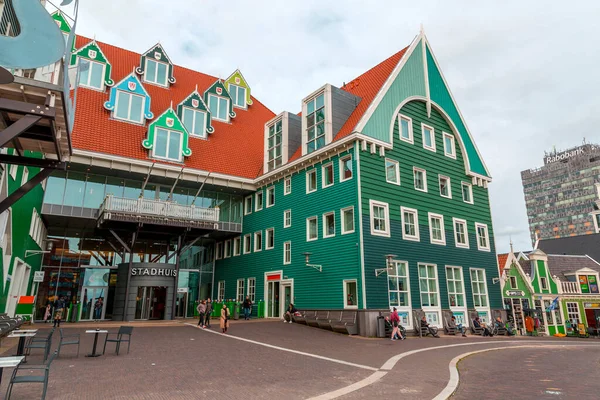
<point>525,74</point>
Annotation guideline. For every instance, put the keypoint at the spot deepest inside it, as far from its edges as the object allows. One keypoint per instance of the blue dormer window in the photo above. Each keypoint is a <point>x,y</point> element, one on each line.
<point>167,145</point>
<point>156,72</point>
<point>238,95</point>
<point>91,74</point>
<point>129,107</point>
<point>219,107</point>
<point>194,121</point>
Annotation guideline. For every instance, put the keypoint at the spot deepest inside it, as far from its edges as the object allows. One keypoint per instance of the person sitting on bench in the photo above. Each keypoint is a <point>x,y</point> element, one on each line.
<point>291,311</point>
<point>431,329</point>
<point>502,326</point>
<point>459,327</point>
<point>478,324</point>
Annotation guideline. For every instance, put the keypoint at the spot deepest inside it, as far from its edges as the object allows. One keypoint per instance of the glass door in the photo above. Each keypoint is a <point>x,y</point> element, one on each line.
<point>93,305</point>
<point>287,296</point>
<point>273,299</point>
<point>181,305</point>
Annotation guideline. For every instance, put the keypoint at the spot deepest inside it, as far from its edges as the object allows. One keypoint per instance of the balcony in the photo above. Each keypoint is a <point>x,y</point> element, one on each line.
<point>163,213</point>
<point>570,287</point>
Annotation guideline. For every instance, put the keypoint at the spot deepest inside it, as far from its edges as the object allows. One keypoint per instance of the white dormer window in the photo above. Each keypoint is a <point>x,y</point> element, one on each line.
<point>167,145</point>
<point>129,107</point>
<point>91,74</point>
<point>238,95</point>
<point>156,72</point>
<point>219,107</point>
<point>315,123</point>
<point>194,121</point>
<point>274,145</point>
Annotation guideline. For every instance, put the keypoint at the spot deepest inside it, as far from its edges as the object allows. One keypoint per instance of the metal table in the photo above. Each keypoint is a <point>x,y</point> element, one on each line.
<point>22,334</point>
<point>96,332</point>
<point>8,362</point>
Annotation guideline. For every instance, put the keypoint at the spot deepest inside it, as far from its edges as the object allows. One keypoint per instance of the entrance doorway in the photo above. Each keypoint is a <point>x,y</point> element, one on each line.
<point>93,303</point>
<point>150,302</point>
<point>181,304</point>
<point>273,300</point>
<point>593,317</point>
<point>18,285</point>
<point>286,288</point>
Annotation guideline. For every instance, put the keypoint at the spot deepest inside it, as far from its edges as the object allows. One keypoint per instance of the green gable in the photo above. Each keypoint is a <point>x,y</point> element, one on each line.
<point>195,101</point>
<point>238,79</point>
<point>92,51</point>
<point>61,21</point>
<point>156,53</point>
<point>218,88</point>
<point>170,121</point>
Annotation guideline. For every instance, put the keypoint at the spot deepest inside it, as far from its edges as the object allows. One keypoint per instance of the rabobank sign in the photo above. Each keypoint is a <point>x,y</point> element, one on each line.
<point>563,156</point>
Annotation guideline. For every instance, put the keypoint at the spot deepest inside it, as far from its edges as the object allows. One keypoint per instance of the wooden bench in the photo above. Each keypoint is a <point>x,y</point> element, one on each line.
<point>475,330</point>
<point>320,314</point>
<point>449,330</point>
<point>420,331</point>
<point>325,323</point>
<point>347,323</point>
<point>301,319</point>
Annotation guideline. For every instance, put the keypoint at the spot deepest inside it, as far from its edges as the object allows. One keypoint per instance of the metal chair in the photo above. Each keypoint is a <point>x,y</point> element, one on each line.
<point>124,330</point>
<point>65,340</point>
<point>31,378</point>
<point>40,342</point>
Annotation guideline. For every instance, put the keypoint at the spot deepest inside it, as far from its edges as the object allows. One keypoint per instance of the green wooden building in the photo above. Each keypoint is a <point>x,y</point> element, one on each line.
<point>374,196</point>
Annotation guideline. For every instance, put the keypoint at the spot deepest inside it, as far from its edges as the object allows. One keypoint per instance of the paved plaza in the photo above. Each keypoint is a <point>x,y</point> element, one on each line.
<point>268,359</point>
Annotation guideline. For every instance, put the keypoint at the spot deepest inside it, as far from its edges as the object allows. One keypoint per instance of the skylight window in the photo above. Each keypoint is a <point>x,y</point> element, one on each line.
<point>156,72</point>
<point>129,107</point>
<point>167,145</point>
<point>194,121</point>
<point>91,74</point>
<point>219,107</point>
<point>238,95</point>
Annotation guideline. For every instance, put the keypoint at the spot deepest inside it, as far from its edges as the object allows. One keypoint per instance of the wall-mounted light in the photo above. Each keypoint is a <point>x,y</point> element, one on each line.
<point>389,263</point>
<point>308,264</point>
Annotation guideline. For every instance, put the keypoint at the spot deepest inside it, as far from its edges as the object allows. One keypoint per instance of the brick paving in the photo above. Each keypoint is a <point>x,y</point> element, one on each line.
<point>169,360</point>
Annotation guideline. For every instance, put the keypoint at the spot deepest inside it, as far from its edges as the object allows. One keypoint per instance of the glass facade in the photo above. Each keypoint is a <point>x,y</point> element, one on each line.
<point>89,190</point>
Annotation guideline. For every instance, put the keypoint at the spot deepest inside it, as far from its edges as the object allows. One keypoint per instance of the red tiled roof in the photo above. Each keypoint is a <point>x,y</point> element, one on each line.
<point>502,261</point>
<point>233,149</point>
<point>366,87</point>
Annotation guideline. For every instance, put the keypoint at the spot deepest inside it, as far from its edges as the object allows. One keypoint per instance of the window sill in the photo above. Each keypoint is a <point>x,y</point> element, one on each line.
<point>411,238</point>
<point>383,234</point>
<point>438,242</point>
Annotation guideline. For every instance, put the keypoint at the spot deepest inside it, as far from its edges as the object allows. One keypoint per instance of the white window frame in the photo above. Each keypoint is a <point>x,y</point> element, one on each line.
<point>258,205</point>
<point>452,153</point>
<point>342,161</point>
<point>287,218</point>
<point>240,290</point>
<point>443,229</point>
<point>325,215</point>
<point>571,312</point>
<point>251,289</point>
<point>166,84</point>
<point>237,244</point>
<point>221,291</point>
<point>430,309</point>
<point>323,175</point>
<point>195,118</point>
<point>487,297</point>
<point>462,308</point>
<point>269,232</point>
<point>345,293</point>
<point>169,133</point>
<point>13,171</point>
<point>308,238</point>
<point>218,253</point>
<point>415,170</point>
<point>464,223</point>
<point>487,237</point>
<point>215,115</point>
<point>142,116</point>
<point>417,236</point>
<point>543,283</point>
<point>25,176</point>
<point>236,87</point>
<point>513,282</point>
<point>423,127</point>
<point>308,175</point>
<point>410,138</point>
<point>342,219</point>
<point>248,246</point>
<point>396,166</point>
<point>462,193</point>
<point>258,245</point>
<point>227,249</point>
<point>87,84</point>
<point>386,207</point>
<point>287,186</point>
<point>269,191</point>
<point>449,184</point>
<point>247,206</point>
<point>406,308</point>
<point>287,252</point>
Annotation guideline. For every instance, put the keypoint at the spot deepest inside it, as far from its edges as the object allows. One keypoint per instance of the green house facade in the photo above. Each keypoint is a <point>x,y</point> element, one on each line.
<point>379,205</point>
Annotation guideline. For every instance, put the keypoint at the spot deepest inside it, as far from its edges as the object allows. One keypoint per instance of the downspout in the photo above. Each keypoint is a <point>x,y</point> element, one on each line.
<point>361,248</point>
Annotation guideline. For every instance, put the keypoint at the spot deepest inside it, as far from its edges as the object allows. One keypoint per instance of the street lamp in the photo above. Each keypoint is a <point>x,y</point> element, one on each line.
<point>308,264</point>
<point>389,262</point>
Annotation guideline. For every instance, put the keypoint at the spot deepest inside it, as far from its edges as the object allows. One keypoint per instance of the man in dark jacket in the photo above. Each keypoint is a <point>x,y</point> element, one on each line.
<point>209,309</point>
<point>247,306</point>
<point>432,330</point>
<point>290,313</point>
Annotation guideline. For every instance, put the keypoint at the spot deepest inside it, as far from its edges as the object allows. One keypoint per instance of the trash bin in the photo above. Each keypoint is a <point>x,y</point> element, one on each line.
<point>380,327</point>
<point>217,310</point>
<point>236,310</point>
<point>261,309</point>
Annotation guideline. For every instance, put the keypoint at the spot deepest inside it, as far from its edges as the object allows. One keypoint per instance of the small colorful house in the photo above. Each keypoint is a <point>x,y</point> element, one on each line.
<point>530,282</point>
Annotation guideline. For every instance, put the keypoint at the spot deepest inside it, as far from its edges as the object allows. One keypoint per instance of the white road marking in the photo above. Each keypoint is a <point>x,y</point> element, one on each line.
<point>374,377</point>
<point>290,350</point>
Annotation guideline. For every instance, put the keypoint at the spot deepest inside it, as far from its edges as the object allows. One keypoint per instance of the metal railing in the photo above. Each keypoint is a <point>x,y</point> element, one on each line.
<point>158,208</point>
<point>570,287</point>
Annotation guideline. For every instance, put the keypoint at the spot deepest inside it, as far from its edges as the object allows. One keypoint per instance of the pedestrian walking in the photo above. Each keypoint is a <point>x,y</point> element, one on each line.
<point>201,313</point>
<point>48,313</point>
<point>395,319</point>
<point>224,323</point>
<point>59,308</point>
<point>247,306</point>
<point>209,310</point>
